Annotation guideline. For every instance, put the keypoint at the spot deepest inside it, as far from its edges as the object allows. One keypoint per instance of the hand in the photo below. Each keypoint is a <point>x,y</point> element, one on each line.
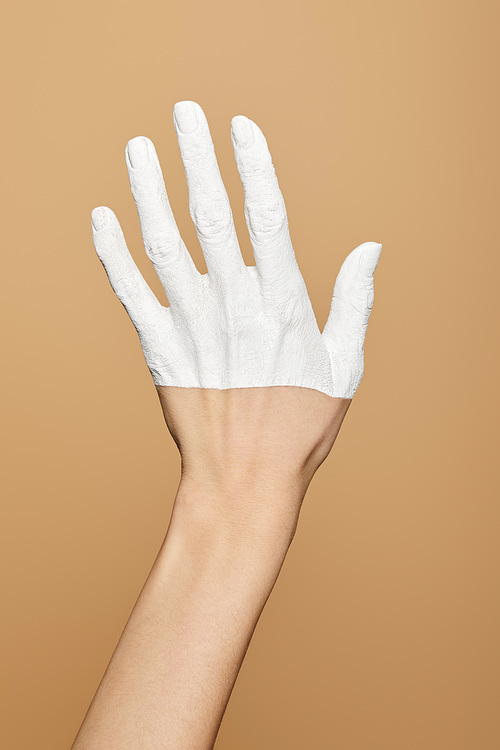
<point>222,352</point>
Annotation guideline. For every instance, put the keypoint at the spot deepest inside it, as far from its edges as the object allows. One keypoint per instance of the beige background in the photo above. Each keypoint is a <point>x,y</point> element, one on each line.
<point>383,121</point>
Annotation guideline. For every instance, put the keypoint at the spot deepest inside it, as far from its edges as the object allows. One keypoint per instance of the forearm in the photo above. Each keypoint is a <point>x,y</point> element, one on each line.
<point>172,673</point>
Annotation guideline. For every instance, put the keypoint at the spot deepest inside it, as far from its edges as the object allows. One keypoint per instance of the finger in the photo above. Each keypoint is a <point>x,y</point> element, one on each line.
<point>208,201</point>
<point>352,301</point>
<point>265,210</point>
<point>164,245</point>
<point>124,276</point>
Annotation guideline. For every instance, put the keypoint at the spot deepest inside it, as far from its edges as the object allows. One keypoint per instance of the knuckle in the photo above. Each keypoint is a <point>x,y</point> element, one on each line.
<point>129,296</point>
<point>124,289</point>
<point>360,308</point>
<point>212,218</point>
<point>361,302</point>
<point>266,220</point>
<point>163,247</point>
<point>355,315</point>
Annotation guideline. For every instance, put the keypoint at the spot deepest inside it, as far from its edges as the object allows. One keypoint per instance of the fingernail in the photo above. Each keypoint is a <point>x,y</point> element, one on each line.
<point>185,116</point>
<point>243,131</point>
<point>100,217</point>
<point>138,151</point>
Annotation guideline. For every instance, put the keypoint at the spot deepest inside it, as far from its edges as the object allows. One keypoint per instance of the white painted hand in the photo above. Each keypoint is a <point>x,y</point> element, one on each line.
<point>237,326</point>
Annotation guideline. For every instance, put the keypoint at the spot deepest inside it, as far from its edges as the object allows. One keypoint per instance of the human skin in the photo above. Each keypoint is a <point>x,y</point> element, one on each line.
<point>248,455</point>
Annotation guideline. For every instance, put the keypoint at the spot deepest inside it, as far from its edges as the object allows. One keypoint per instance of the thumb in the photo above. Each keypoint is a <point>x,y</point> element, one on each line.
<point>345,329</point>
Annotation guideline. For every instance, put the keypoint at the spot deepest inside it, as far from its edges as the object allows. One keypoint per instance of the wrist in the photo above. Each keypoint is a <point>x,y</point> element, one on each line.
<point>252,518</point>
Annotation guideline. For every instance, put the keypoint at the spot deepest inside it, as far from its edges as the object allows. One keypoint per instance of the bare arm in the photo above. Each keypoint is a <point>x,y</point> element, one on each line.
<point>172,673</point>
<point>254,396</point>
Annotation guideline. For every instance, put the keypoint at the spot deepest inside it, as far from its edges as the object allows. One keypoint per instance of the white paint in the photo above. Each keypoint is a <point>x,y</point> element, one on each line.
<point>237,326</point>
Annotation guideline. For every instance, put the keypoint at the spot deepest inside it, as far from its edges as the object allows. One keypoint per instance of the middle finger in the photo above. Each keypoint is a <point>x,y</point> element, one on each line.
<point>208,200</point>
